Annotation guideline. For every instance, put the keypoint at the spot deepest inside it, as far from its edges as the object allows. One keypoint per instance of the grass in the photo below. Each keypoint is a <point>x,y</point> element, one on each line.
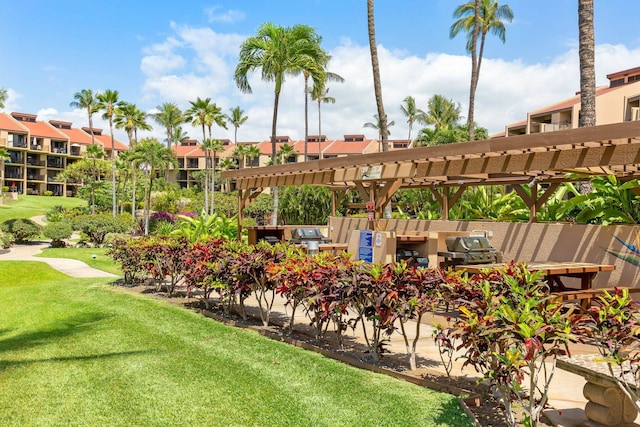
<point>78,352</point>
<point>29,206</point>
<point>102,262</point>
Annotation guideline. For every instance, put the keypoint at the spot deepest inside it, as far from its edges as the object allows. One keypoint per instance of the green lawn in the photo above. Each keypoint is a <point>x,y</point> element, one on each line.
<point>28,206</point>
<point>101,262</point>
<point>79,352</point>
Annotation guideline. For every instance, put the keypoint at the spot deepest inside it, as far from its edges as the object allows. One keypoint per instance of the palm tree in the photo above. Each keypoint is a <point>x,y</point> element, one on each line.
<point>95,153</point>
<point>169,116</point>
<point>212,146</point>
<point>108,102</point>
<point>240,153</point>
<point>277,52</point>
<point>130,118</point>
<point>377,124</point>
<point>3,96</point>
<point>477,18</point>
<point>236,118</point>
<point>178,136</point>
<point>322,58</point>
<point>587,63</point>
<point>412,113</point>
<point>199,114</point>
<point>4,155</point>
<point>285,152</point>
<point>226,164</point>
<point>442,113</point>
<point>377,85</point>
<point>154,157</point>
<point>320,94</point>
<point>252,153</point>
<point>87,100</point>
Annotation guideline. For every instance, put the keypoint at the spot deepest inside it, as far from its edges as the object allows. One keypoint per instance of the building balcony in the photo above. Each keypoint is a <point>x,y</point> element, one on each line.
<point>35,162</point>
<point>35,177</point>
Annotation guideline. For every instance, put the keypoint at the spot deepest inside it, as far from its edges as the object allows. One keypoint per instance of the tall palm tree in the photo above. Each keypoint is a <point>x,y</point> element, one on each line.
<point>320,94</point>
<point>199,115</point>
<point>412,113</point>
<point>252,153</point>
<point>87,100</point>
<point>169,116</point>
<point>178,135</point>
<point>277,52</point>
<point>154,156</point>
<point>212,146</point>
<point>3,96</point>
<point>240,153</point>
<point>95,153</point>
<point>442,113</point>
<point>4,155</point>
<point>285,152</point>
<point>108,102</point>
<point>377,85</point>
<point>587,63</point>
<point>226,164</point>
<point>236,118</point>
<point>377,124</point>
<point>130,118</point>
<point>477,18</point>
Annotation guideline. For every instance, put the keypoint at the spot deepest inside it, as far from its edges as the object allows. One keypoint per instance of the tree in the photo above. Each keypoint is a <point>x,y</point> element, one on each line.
<point>378,126</point>
<point>587,63</point>
<point>130,118</point>
<point>154,157</point>
<point>277,52</point>
<point>4,155</point>
<point>252,153</point>
<point>108,102</point>
<point>179,135</point>
<point>87,100</point>
<point>89,171</point>
<point>442,113</point>
<point>226,164</point>
<point>477,18</point>
<point>212,146</point>
<point>377,85</point>
<point>412,113</point>
<point>236,118</point>
<point>199,115</point>
<point>320,94</point>
<point>285,152</point>
<point>240,153</point>
<point>169,116</point>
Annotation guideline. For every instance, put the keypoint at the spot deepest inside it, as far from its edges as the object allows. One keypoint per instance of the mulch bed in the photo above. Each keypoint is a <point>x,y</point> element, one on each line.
<point>476,399</point>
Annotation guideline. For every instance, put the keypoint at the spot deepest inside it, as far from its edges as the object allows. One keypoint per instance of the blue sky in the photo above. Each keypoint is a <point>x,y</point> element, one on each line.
<point>153,52</point>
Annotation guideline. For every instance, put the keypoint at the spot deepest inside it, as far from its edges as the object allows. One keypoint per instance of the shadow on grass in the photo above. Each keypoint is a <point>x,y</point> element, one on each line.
<point>50,333</point>
<point>6,364</point>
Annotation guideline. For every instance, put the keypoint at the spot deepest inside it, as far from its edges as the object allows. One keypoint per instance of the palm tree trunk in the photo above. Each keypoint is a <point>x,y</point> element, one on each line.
<point>474,71</point>
<point>587,64</point>
<point>276,200</point>
<point>148,204</point>
<point>213,179</point>
<point>319,129</point>
<point>113,168</point>
<point>133,195</point>
<point>306,116</point>
<point>377,86</point>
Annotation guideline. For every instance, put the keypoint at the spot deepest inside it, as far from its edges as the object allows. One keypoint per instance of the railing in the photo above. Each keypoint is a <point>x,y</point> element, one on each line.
<point>31,162</point>
<point>192,165</point>
<point>35,177</point>
<point>56,165</point>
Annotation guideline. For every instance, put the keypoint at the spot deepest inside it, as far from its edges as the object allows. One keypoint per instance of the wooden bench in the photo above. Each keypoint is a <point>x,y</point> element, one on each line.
<point>586,295</point>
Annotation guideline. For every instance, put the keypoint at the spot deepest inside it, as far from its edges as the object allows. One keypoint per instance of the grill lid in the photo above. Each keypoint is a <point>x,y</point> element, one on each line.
<point>468,244</point>
<point>302,234</point>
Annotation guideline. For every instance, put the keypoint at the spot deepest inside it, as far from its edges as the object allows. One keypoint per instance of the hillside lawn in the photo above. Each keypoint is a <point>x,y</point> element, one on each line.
<point>80,352</point>
<point>30,206</point>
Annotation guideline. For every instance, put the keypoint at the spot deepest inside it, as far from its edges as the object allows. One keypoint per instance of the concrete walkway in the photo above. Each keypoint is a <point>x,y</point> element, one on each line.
<point>70,267</point>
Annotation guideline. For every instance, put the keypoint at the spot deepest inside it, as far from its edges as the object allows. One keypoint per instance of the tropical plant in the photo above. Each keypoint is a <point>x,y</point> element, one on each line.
<point>211,146</point>
<point>89,171</point>
<point>377,85</point>
<point>3,96</point>
<point>477,18</point>
<point>442,113</point>
<point>236,118</point>
<point>21,229</point>
<point>377,125</point>
<point>305,204</point>
<point>320,94</point>
<point>169,116</point>
<point>108,102</point>
<point>154,157</point>
<point>412,113</point>
<point>179,136</point>
<point>509,326</point>
<point>86,100</point>
<point>252,153</point>
<point>240,153</point>
<point>215,226</point>
<point>130,118</point>
<point>586,40</point>
<point>96,227</point>
<point>285,153</point>
<point>277,52</point>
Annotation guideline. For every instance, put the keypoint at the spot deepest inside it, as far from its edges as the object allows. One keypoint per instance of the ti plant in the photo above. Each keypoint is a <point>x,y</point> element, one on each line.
<point>613,323</point>
<point>507,331</point>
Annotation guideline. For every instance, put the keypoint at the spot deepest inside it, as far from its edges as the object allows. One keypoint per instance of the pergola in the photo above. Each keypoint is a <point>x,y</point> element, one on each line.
<point>447,170</point>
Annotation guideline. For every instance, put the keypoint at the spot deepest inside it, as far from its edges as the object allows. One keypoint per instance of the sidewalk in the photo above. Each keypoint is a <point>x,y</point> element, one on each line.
<point>70,267</point>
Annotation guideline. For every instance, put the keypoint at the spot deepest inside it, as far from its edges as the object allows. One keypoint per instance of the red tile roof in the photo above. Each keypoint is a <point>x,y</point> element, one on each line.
<point>9,123</point>
<point>44,130</point>
<point>78,136</point>
<point>106,143</point>
<point>340,146</point>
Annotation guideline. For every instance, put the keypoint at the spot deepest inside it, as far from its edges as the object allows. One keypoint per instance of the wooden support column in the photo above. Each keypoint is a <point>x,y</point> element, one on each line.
<point>245,197</point>
<point>386,193</point>
<point>529,200</point>
<point>336,197</point>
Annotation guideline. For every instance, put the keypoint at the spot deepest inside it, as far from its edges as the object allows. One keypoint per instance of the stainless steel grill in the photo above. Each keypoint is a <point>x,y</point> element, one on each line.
<point>464,250</point>
<point>303,235</point>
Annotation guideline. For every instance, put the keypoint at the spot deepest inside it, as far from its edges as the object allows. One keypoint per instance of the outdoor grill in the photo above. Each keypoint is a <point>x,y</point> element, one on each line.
<point>304,235</point>
<point>468,250</point>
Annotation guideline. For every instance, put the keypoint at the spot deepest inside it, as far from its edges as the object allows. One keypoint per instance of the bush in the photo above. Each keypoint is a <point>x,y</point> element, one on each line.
<point>56,213</point>
<point>5,188</point>
<point>111,238</point>
<point>22,229</point>
<point>48,193</point>
<point>57,232</point>
<point>6,240</point>
<point>96,227</point>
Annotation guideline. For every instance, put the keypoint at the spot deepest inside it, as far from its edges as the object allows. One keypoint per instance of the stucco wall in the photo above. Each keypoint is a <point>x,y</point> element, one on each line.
<point>529,242</point>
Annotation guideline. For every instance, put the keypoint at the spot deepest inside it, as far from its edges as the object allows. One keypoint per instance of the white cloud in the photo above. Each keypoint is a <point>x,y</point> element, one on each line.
<point>506,91</point>
<point>229,16</point>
